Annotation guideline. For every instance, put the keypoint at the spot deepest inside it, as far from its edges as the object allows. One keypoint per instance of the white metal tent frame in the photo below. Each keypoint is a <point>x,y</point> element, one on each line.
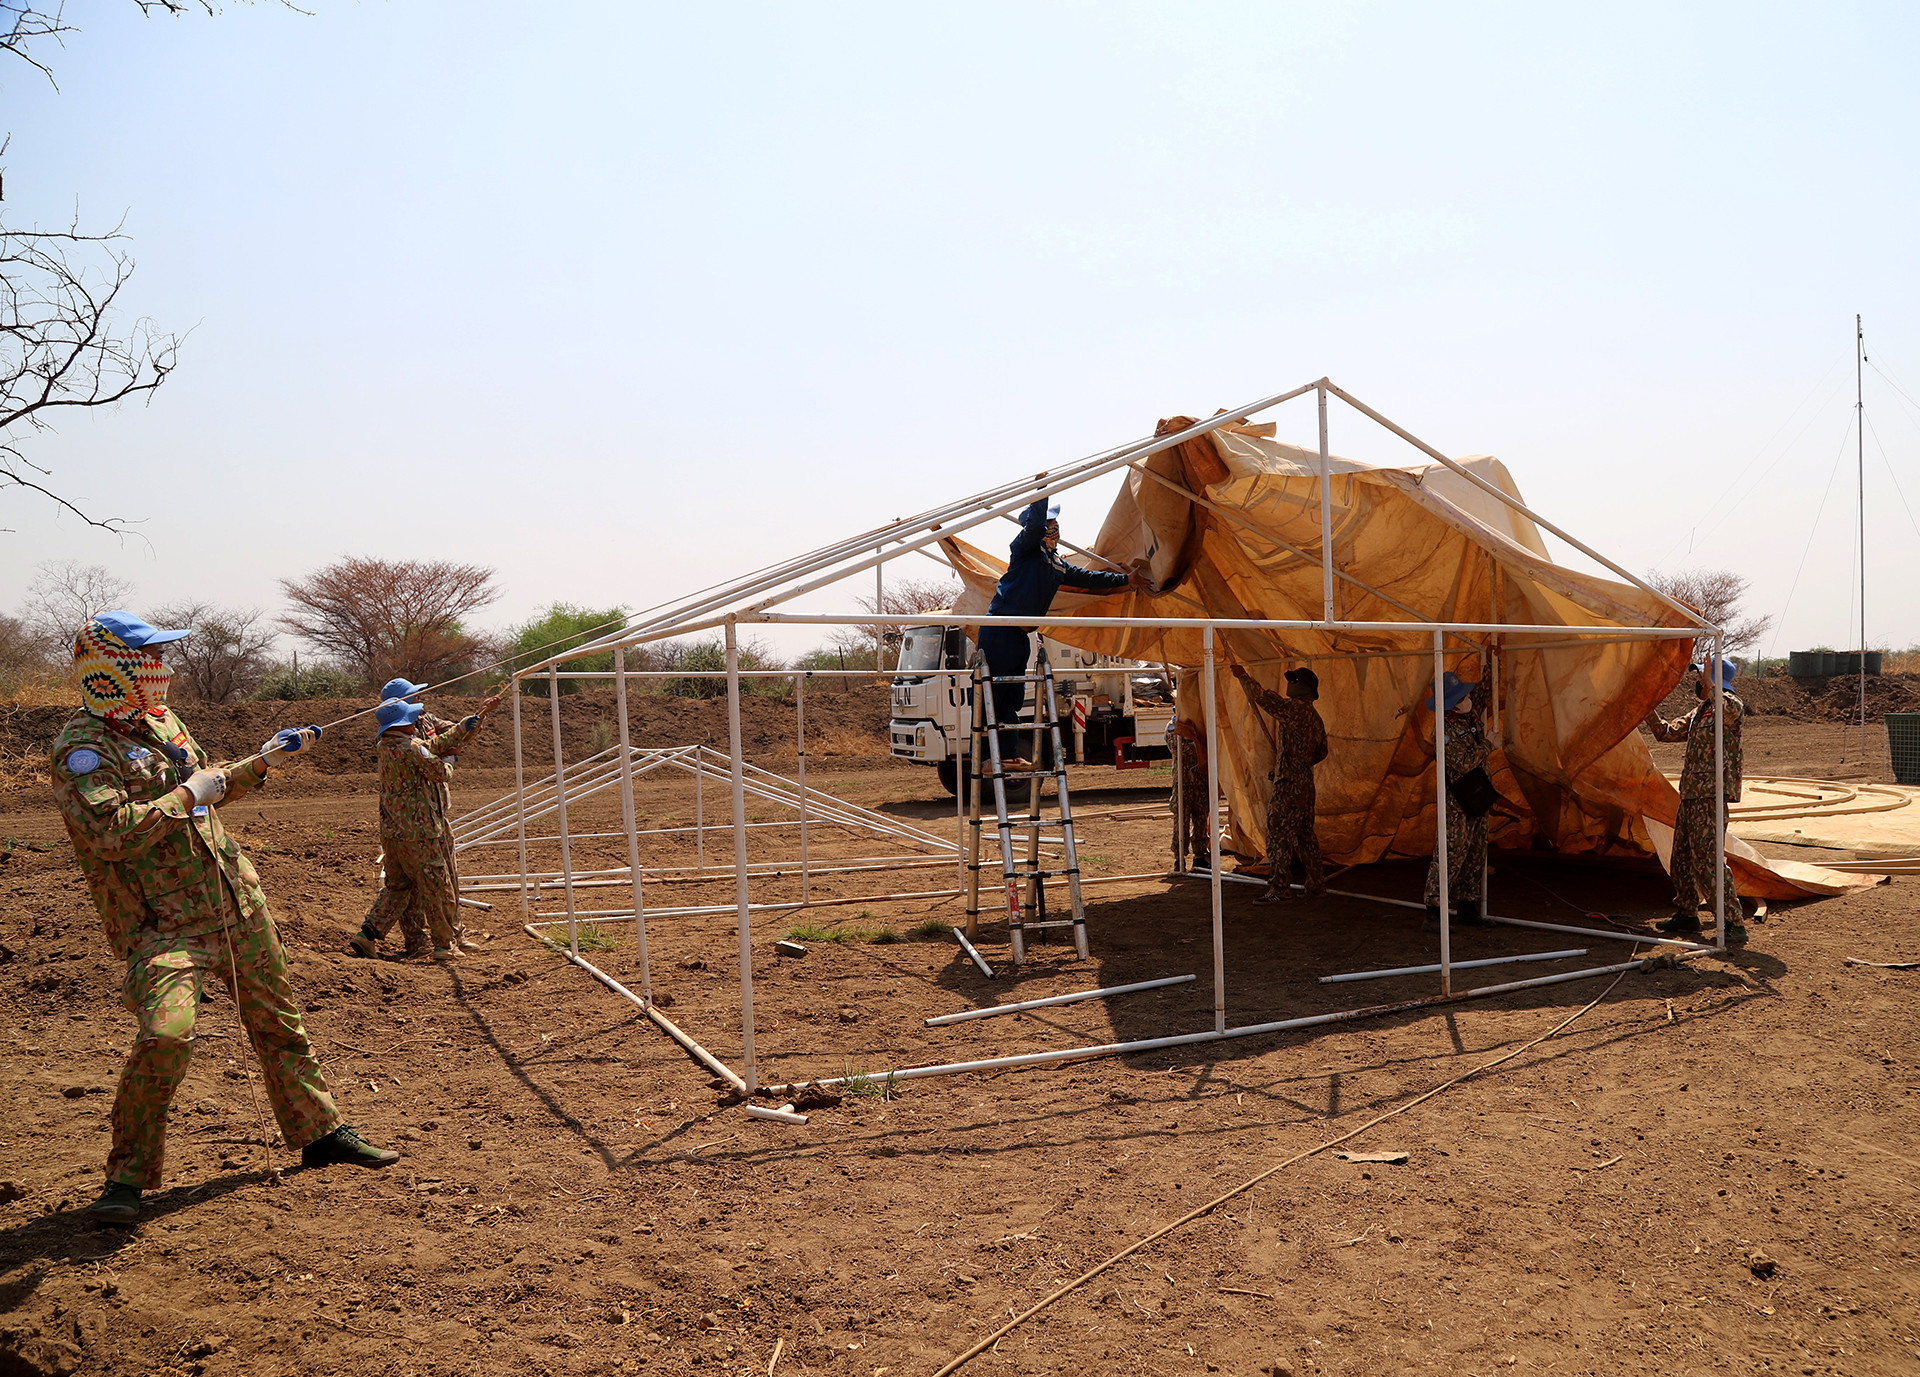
<point>752,598</point>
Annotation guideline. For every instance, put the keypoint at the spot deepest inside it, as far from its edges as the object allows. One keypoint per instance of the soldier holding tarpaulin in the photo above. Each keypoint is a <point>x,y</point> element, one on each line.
<point>180,903</point>
<point>1470,797</point>
<point>1291,806</point>
<point>1697,849</point>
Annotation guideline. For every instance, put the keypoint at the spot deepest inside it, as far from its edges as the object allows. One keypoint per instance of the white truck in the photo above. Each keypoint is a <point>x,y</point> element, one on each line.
<point>1112,711</point>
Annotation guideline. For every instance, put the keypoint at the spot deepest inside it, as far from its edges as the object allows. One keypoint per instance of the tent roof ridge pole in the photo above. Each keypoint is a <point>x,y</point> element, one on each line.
<point>716,595</point>
<point>1520,507</point>
<point>1076,472</point>
<point>1039,491</point>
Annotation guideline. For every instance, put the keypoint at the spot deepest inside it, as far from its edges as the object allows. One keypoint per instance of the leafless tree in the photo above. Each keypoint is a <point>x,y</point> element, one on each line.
<point>62,347</point>
<point>907,598</point>
<point>382,618</point>
<point>63,344</point>
<point>63,594</point>
<point>1716,594</point>
<point>225,657</point>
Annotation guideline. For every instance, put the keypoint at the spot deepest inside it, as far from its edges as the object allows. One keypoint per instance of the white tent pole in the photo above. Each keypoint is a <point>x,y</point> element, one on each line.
<point>700,812</point>
<point>933,524</point>
<point>800,746</point>
<point>1213,830</point>
<point>1440,809</point>
<point>1719,799</point>
<point>560,779</point>
<point>520,802</point>
<point>630,820</point>
<point>1518,506</point>
<point>742,896</point>
<point>1326,510</point>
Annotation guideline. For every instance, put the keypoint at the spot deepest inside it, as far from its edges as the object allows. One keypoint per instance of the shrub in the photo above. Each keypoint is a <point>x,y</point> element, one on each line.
<point>562,627</point>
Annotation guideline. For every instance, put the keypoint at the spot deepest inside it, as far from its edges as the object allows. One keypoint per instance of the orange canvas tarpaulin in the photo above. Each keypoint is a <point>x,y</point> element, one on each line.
<point>1229,525</point>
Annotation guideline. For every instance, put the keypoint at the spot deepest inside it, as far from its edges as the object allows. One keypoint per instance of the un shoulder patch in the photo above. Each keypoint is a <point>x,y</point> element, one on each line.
<point>83,760</point>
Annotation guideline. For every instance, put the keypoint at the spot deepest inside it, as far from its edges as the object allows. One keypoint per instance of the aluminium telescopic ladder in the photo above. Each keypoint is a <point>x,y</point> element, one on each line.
<point>1026,913</point>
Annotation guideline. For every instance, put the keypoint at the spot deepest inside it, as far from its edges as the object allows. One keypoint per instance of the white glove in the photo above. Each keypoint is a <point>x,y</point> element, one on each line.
<point>206,786</point>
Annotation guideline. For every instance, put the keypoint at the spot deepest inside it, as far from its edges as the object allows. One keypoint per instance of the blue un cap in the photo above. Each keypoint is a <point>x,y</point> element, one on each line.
<point>394,713</point>
<point>1727,670</point>
<point>133,632</point>
<point>401,688</point>
<point>1456,689</point>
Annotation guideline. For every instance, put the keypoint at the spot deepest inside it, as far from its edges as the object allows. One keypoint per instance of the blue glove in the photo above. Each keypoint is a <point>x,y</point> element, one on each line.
<point>290,740</point>
<point>472,722</point>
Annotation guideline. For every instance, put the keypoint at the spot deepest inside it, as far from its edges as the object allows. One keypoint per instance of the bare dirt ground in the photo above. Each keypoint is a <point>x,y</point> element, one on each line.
<point>1710,1170</point>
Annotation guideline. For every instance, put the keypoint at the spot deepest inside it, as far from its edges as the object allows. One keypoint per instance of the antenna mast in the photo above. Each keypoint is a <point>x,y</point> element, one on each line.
<point>1860,469</point>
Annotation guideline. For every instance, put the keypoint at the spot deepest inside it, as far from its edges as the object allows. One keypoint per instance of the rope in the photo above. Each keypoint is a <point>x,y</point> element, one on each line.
<point>1244,1186</point>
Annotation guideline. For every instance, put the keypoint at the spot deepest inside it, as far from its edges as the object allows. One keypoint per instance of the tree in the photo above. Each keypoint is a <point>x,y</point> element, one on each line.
<point>63,594</point>
<point>382,618</point>
<point>854,645</point>
<point>1715,594</point>
<point>226,656</point>
<point>710,655</point>
<point>562,627</point>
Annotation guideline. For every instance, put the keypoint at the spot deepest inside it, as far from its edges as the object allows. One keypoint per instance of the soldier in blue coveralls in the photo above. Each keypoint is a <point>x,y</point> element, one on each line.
<point>1035,572</point>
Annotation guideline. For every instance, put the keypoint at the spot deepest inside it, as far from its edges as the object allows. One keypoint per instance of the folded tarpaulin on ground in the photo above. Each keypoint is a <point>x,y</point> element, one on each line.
<point>1229,525</point>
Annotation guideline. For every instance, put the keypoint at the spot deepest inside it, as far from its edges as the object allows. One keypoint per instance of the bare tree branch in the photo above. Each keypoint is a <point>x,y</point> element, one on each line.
<point>383,618</point>
<point>59,349</point>
<point>1715,594</point>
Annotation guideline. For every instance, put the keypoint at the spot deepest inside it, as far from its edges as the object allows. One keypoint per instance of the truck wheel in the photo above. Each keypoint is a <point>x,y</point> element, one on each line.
<point>950,776</point>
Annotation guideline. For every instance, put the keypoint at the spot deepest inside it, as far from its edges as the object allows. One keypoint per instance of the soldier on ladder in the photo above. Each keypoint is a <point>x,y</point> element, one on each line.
<point>1035,572</point>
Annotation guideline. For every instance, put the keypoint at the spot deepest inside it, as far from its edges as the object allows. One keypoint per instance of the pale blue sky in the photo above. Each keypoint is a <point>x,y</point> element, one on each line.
<point>623,298</point>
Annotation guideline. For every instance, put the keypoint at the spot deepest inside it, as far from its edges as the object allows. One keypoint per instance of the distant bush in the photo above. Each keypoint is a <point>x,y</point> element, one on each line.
<point>284,682</point>
<point>711,654</point>
<point>560,628</point>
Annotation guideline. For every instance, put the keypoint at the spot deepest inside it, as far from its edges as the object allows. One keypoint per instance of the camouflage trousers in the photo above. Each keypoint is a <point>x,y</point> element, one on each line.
<point>421,892</point>
<point>1192,801</point>
<point>1695,851</point>
<point>162,991</point>
<point>1291,837</point>
<point>1466,860</point>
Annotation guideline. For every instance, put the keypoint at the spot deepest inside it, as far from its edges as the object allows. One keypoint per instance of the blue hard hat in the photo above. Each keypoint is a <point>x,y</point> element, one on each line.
<point>401,688</point>
<point>1728,668</point>
<point>1456,689</point>
<point>133,632</point>
<point>396,713</point>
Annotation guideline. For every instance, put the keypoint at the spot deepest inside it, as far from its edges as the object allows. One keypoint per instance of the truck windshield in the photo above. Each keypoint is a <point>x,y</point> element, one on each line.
<point>920,650</point>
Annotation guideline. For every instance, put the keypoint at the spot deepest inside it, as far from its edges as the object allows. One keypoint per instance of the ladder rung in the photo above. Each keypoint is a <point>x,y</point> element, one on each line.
<point>1052,923</point>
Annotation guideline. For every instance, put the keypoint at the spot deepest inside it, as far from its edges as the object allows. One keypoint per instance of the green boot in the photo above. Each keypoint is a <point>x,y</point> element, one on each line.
<point>345,1144</point>
<point>119,1203</point>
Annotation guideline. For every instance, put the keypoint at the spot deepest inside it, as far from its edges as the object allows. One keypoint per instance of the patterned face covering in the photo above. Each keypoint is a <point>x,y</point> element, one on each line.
<point>116,680</point>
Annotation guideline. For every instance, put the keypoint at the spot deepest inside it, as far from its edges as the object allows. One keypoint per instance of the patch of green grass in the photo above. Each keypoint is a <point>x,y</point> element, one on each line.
<point>933,930</point>
<point>1095,860</point>
<point>592,938</point>
<point>862,1085</point>
<point>810,932</point>
<point>884,937</point>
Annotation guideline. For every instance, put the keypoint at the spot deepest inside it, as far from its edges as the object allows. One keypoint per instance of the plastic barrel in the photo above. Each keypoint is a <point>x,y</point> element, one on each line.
<point>1903,742</point>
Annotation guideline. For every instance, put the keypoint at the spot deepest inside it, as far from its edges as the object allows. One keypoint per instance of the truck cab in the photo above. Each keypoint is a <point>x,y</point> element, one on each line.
<point>1112,711</point>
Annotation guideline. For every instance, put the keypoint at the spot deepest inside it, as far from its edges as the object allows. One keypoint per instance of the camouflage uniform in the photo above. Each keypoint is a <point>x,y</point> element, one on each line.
<point>1302,744</point>
<point>1467,751</point>
<point>173,890</point>
<point>1190,757</point>
<point>1696,839</point>
<point>421,884</point>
